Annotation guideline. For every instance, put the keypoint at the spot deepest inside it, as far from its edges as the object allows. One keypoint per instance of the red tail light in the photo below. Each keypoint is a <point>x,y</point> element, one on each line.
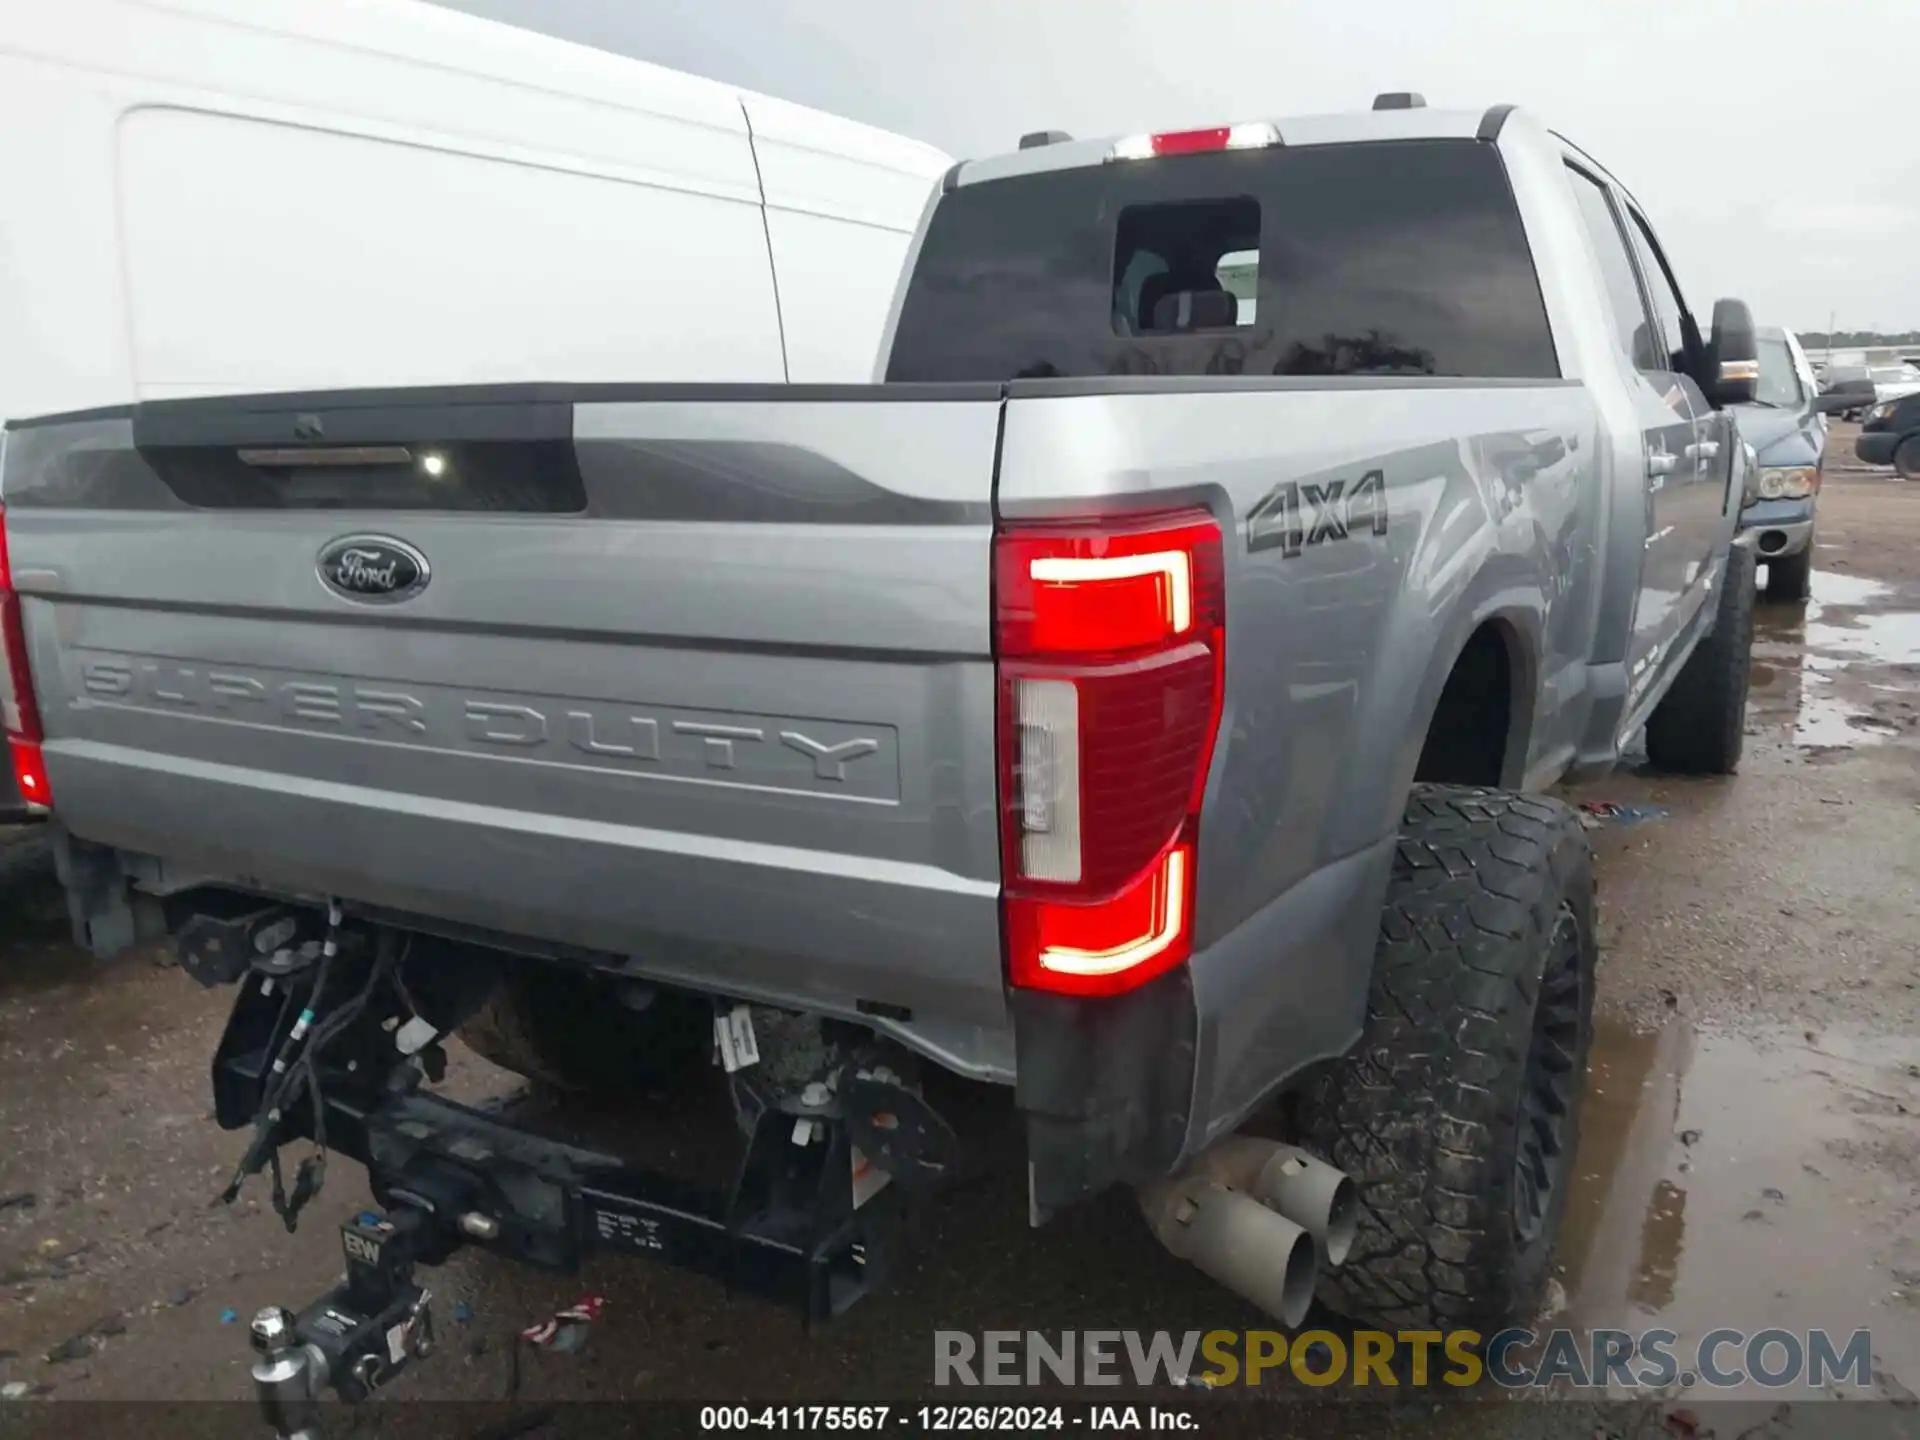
<point>1111,644</point>
<point>21,712</point>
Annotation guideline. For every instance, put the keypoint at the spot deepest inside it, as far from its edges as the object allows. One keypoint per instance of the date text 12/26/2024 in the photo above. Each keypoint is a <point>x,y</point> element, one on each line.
<point>935,1419</point>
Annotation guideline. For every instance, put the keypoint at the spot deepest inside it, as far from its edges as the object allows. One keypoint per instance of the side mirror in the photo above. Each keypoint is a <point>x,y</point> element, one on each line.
<point>1836,402</point>
<point>1735,355</point>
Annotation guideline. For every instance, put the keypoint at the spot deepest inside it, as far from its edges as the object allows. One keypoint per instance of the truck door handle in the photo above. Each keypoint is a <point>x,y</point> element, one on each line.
<point>1660,463</point>
<point>1705,450</point>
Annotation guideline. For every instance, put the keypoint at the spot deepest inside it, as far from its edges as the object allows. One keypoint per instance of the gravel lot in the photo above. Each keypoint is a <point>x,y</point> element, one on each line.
<point>1750,1155</point>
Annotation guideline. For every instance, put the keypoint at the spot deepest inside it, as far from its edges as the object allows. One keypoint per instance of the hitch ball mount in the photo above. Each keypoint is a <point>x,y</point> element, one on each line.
<point>358,1336</point>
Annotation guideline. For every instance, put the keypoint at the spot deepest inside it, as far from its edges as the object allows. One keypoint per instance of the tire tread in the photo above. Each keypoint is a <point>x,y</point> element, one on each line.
<point>1421,1113</point>
<point>1700,725</point>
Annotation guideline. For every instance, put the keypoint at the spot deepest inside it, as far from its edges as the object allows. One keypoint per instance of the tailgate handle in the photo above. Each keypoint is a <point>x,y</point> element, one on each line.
<point>330,456</point>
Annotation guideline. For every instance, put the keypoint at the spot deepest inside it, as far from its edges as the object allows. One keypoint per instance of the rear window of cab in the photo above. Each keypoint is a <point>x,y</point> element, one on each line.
<point>1381,258</point>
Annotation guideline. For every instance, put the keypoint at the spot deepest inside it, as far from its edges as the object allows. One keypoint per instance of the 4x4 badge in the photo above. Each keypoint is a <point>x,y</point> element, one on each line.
<point>1302,513</point>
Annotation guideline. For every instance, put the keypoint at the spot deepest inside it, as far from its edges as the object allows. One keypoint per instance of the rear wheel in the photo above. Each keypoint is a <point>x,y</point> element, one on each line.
<point>1790,577</point>
<point>1700,726</point>
<point>1906,460</point>
<point>1457,1113</point>
<point>578,1032</point>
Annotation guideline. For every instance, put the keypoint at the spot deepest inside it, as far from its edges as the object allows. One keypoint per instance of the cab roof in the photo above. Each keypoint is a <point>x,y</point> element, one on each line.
<point>1409,123</point>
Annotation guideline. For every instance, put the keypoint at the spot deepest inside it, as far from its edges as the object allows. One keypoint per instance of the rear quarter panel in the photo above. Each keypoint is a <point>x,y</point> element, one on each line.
<point>1338,645</point>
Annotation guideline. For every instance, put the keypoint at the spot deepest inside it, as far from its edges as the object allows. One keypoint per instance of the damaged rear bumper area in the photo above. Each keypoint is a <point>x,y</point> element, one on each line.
<point>336,1039</point>
<point>335,1032</point>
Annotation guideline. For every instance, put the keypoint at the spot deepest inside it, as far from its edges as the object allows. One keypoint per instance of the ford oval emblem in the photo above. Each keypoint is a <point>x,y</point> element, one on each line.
<point>375,569</point>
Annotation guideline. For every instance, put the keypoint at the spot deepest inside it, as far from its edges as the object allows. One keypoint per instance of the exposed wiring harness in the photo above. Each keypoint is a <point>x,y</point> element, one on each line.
<point>294,1074</point>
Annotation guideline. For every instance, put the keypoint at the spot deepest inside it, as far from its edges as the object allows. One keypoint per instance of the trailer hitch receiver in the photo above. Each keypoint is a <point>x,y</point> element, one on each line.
<point>338,1048</point>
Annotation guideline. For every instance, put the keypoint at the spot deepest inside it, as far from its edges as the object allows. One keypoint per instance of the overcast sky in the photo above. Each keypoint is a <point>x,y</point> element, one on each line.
<point>1775,168</point>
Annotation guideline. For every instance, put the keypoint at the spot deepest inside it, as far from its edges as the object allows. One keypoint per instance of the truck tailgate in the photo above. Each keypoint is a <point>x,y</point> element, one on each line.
<point>700,679</point>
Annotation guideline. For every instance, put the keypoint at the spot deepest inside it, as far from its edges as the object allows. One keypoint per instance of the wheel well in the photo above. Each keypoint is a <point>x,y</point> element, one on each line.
<point>1466,740</point>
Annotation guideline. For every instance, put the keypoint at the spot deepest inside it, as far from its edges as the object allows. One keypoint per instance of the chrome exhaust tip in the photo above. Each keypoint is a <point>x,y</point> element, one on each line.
<point>1254,1251</point>
<point>1321,1200</point>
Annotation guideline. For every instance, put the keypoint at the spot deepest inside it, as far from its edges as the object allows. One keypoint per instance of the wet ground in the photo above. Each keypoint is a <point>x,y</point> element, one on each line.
<point>1751,1154</point>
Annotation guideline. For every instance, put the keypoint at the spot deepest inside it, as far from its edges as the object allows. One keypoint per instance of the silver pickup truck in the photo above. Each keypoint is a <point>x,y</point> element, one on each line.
<point>1134,706</point>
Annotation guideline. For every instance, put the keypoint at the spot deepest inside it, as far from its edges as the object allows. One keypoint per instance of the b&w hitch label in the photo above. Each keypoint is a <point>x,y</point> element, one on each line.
<point>629,1232</point>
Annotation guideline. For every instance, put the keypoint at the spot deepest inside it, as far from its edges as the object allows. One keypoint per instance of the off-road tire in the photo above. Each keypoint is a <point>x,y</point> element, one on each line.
<point>572,1031</point>
<point>1790,577</point>
<point>1488,927</point>
<point>1700,725</point>
<point>1906,460</point>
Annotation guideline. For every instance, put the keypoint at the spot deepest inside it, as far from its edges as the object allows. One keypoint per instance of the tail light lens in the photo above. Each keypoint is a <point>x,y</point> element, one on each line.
<point>20,712</point>
<point>1111,640</point>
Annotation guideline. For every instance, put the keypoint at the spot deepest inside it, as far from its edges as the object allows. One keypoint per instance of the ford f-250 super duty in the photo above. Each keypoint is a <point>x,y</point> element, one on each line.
<point>1139,700</point>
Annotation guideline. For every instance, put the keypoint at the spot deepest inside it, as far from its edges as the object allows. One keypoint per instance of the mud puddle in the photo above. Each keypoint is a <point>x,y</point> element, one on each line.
<point>1734,1179</point>
<point>1834,674</point>
<point>1801,704</point>
<point>1891,637</point>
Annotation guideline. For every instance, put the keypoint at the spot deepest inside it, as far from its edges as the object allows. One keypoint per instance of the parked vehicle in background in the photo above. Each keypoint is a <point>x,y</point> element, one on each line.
<point>1784,424</point>
<point>1893,382</point>
<point>1139,702</point>
<point>520,207</point>
<point>389,193</point>
<point>1890,435</point>
<point>1849,391</point>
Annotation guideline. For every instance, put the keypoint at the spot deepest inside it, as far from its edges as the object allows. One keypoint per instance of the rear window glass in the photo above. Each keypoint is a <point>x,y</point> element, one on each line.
<point>1401,257</point>
<point>1171,266</point>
